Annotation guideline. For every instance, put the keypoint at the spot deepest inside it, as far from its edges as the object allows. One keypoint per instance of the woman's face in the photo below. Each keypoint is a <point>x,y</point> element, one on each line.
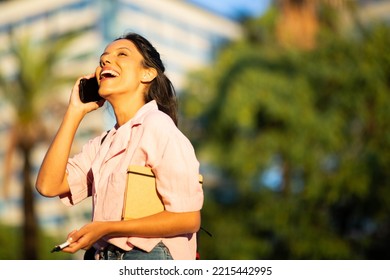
<point>120,70</point>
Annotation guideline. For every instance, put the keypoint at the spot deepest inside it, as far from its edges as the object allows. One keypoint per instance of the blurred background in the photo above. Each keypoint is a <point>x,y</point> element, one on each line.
<point>286,103</point>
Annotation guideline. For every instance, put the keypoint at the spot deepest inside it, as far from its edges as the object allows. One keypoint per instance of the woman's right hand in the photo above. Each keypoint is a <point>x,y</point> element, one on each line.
<point>86,236</point>
<point>75,102</point>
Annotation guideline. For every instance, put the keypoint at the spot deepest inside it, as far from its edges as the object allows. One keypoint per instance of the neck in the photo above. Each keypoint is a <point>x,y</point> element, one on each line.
<point>125,108</point>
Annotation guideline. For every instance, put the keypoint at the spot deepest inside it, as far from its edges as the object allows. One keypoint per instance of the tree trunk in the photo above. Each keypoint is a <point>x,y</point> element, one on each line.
<point>298,24</point>
<point>30,238</point>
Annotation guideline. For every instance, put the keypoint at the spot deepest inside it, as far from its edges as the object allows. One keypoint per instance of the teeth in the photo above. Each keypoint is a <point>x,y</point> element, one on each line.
<point>109,72</point>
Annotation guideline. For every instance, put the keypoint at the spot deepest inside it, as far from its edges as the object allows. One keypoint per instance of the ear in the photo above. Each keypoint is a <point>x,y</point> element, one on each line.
<point>148,75</point>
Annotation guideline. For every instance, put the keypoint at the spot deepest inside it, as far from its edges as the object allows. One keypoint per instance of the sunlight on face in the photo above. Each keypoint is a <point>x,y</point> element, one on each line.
<point>120,69</point>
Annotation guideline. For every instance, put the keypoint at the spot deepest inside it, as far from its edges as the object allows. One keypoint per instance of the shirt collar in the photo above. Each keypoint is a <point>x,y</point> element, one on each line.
<point>118,138</point>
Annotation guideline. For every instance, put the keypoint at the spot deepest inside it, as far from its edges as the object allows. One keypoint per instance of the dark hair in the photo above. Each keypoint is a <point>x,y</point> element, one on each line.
<point>161,88</point>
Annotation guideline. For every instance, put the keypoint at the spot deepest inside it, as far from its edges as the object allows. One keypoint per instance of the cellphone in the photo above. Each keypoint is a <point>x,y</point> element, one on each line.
<point>89,90</point>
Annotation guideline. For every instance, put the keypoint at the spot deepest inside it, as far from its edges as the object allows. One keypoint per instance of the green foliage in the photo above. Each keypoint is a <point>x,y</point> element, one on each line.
<point>319,118</point>
<point>10,245</point>
<point>35,78</point>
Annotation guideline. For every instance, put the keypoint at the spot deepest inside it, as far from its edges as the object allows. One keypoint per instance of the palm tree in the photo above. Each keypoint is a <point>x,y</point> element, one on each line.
<point>26,91</point>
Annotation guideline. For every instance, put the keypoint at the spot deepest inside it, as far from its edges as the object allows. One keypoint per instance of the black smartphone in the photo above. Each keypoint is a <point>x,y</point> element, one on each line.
<point>89,90</point>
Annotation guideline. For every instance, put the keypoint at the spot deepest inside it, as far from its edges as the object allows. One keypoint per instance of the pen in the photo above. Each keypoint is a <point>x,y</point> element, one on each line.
<point>60,247</point>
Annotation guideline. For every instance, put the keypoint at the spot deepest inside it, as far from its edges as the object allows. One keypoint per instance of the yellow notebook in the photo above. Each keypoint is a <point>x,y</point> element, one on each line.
<point>141,196</point>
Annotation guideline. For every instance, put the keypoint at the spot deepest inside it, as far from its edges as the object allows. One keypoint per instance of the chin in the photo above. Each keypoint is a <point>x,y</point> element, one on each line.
<point>105,92</point>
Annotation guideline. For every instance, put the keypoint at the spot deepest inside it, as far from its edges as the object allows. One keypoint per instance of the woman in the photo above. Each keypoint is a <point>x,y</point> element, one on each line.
<point>131,78</point>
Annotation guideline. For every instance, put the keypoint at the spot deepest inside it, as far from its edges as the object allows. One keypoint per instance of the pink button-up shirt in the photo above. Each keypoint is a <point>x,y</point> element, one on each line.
<point>150,139</point>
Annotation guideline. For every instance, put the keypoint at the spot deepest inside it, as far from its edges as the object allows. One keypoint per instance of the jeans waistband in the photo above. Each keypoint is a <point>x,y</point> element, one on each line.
<point>112,252</point>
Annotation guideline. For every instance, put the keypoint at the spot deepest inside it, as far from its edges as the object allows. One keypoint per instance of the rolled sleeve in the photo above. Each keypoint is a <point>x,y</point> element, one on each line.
<point>79,174</point>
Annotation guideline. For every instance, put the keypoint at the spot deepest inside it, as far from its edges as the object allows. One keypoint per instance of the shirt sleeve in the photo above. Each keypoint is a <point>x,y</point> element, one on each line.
<point>79,173</point>
<point>174,163</point>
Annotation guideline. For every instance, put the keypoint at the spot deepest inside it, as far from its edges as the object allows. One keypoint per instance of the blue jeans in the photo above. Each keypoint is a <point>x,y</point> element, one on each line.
<point>160,252</point>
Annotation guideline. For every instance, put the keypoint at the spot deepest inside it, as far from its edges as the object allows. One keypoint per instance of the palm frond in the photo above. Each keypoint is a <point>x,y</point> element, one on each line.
<point>35,75</point>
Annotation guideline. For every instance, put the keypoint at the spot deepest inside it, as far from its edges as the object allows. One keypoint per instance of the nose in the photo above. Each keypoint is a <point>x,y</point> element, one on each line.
<point>105,60</point>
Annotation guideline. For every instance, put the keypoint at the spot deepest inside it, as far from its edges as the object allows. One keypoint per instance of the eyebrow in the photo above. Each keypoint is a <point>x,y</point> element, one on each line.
<point>120,48</point>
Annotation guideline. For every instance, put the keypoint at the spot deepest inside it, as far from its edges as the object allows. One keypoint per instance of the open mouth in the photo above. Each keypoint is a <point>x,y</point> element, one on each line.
<point>108,74</point>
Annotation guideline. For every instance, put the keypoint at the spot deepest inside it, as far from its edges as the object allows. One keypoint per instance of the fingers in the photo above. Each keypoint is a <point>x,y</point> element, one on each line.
<point>89,76</point>
<point>79,239</point>
<point>70,239</point>
<point>76,242</point>
<point>75,101</point>
<point>74,238</point>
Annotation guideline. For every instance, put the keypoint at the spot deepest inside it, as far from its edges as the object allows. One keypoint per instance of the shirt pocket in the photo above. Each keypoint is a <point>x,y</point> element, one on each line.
<point>113,197</point>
